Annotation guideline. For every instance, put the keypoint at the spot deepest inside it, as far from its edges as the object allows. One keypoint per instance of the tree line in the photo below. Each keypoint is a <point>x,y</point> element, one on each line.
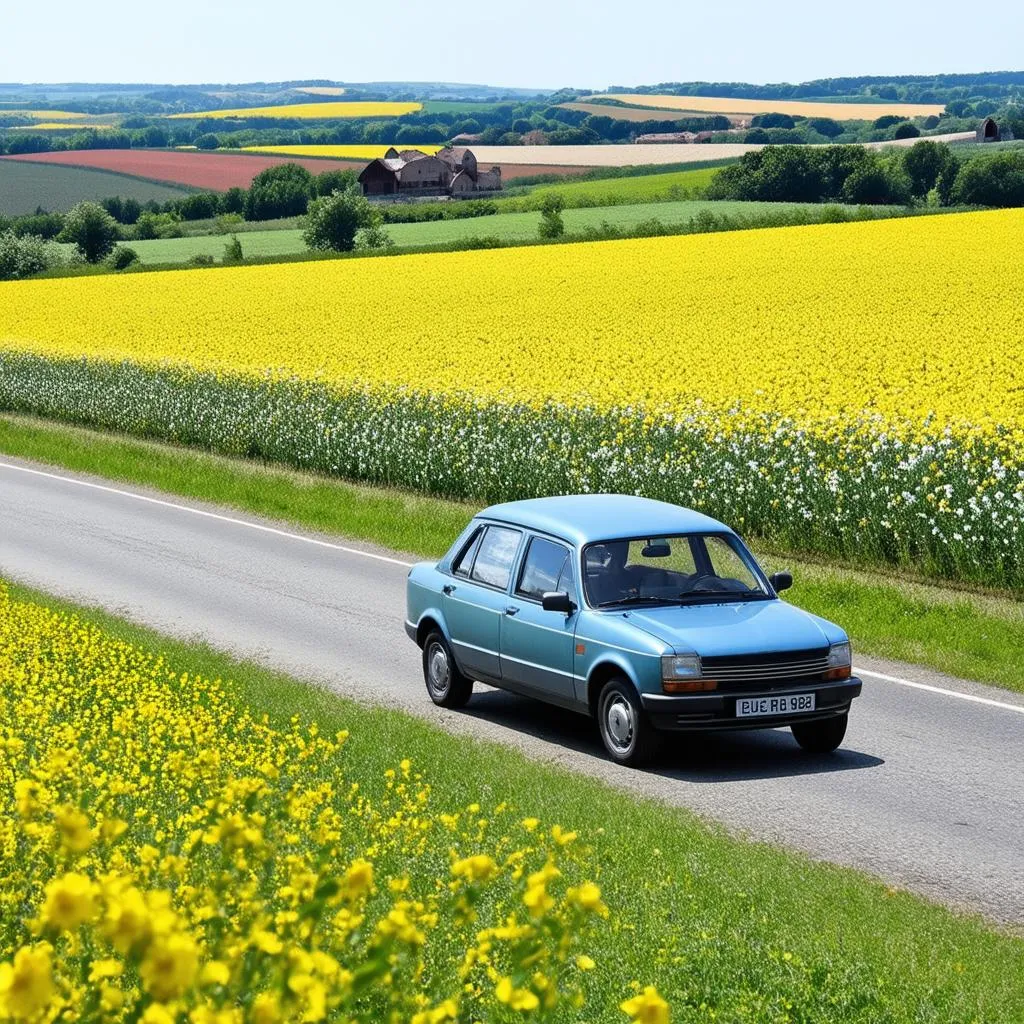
<point>925,173</point>
<point>999,85</point>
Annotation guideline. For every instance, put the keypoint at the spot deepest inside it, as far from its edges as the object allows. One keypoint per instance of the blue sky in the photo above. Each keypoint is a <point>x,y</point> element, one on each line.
<point>530,43</point>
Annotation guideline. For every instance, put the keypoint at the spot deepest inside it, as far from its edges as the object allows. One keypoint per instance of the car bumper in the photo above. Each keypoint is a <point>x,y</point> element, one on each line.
<point>411,630</point>
<point>718,711</point>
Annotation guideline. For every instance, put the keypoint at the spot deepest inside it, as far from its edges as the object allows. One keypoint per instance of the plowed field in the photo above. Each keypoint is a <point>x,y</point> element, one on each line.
<point>216,171</point>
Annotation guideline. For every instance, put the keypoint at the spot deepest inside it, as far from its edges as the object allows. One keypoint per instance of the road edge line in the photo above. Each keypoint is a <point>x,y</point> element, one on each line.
<point>899,681</point>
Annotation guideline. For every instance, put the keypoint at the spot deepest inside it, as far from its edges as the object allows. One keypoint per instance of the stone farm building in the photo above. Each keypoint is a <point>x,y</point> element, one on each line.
<point>452,171</point>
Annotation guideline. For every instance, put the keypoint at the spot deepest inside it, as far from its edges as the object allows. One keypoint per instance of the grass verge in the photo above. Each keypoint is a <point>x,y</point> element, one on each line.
<point>971,635</point>
<point>726,929</point>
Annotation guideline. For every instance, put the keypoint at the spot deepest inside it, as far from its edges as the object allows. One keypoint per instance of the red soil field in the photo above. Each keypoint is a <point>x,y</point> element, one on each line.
<point>215,171</point>
<point>220,171</point>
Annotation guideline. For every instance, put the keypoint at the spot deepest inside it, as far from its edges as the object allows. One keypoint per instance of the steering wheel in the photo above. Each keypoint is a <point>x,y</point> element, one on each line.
<point>697,583</point>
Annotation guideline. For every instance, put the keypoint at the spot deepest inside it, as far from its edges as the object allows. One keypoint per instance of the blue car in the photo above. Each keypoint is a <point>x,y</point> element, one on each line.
<point>649,617</point>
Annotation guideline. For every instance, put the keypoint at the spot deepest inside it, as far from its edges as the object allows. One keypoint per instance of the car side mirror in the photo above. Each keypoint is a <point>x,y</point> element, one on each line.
<point>781,581</point>
<point>555,602</point>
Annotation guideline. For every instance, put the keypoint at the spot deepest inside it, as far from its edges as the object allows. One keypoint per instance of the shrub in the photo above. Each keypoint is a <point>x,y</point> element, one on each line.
<point>198,206</point>
<point>334,220</point>
<point>92,229</point>
<point>886,121</point>
<point>825,126</point>
<point>280,191</point>
<point>201,259</point>
<point>156,225</point>
<point>772,121</point>
<point>45,225</point>
<point>124,211</point>
<point>374,235</point>
<point>228,222</point>
<point>208,141</point>
<point>906,130</point>
<point>923,163</point>
<point>551,223</point>
<point>122,257</point>
<point>333,181</point>
<point>233,251</point>
<point>867,184</point>
<point>233,201</point>
<point>24,255</point>
<point>990,181</point>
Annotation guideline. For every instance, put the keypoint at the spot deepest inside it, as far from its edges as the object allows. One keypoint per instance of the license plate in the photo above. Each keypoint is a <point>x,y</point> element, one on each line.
<point>786,704</point>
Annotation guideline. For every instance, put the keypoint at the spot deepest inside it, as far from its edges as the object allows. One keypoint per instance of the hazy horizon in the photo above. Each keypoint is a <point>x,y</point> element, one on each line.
<point>537,46</point>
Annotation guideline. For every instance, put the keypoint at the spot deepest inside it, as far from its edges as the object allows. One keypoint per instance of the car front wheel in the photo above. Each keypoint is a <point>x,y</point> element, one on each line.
<point>447,686</point>
<point>821,737</point>
<point>627,732</point>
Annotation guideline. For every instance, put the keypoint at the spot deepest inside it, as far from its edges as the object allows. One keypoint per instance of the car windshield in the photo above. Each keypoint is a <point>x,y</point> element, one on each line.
<point>682,569</point>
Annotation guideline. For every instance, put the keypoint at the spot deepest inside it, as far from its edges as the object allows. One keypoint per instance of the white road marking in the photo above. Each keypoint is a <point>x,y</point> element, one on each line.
<point>397,561</point>
<point>208,515</point>
<point>939,689</point>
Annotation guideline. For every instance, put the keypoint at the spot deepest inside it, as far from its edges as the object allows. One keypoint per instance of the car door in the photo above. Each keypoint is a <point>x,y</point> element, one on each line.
<point>537,646</point>
<point>475,598</point>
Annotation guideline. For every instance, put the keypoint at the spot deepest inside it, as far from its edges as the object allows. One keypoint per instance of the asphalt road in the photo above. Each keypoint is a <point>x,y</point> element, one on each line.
<point>926,793</point>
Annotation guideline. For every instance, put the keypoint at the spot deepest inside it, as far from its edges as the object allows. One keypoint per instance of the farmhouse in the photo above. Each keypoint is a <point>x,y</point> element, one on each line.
<point>990,131</point>
<point>673,137</point>
<point>452,171</point>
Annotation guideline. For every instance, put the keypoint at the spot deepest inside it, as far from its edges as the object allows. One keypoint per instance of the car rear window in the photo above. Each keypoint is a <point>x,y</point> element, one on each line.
<point>493,565</point>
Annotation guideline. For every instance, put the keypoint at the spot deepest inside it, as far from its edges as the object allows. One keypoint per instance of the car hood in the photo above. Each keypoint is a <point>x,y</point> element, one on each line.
<point>738,627</point>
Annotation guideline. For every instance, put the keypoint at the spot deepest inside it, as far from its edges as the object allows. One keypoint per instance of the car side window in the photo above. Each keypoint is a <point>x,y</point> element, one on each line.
<point>497,552</point>
<point>543,566</point>
<point>464,562</point>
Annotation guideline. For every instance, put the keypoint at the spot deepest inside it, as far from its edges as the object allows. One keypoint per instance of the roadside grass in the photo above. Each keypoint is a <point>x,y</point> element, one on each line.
<point>963,633</point>
<point>725,929</point>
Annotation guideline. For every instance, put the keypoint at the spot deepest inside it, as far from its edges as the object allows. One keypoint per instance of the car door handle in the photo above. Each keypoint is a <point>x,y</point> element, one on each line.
<point>511,610</point>
<point>448,588</point>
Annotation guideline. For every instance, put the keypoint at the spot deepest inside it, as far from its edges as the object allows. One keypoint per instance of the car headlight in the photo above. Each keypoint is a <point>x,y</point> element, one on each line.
<point>681,673</point>
<point>840,661</point>
<point>680,666</point>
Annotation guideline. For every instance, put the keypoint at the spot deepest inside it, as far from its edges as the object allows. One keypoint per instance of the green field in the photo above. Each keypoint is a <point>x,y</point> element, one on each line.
<point>508,227</point>
<point>645,188</point>
<point>25,186</point>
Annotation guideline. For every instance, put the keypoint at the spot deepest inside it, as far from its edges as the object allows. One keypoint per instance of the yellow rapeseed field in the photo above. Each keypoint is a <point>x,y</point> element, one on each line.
<point>167,856</point>
<point>854,389</point>
<point>356,152</point>
<point>796,108</point>
<point>910,319</point>
<point>319,111</point>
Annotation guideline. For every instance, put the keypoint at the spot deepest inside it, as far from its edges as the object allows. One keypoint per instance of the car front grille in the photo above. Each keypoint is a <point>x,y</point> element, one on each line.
<point>766,671</point>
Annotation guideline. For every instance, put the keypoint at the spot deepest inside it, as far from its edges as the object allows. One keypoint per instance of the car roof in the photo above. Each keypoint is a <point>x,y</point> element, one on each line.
<point>585,518</point>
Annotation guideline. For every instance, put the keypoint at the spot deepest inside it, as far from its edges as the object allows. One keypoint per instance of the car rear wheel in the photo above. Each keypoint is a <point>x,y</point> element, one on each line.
<point>627,732</point>
<point>447,686</point>
<point>823,736</point>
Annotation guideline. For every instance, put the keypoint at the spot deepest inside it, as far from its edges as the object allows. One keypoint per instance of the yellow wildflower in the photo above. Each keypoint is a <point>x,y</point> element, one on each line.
<point>517,998</point>
<point>646,1008</point>
<point>170,965</point>
<point>70,901</point>
<point>26,985</point>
